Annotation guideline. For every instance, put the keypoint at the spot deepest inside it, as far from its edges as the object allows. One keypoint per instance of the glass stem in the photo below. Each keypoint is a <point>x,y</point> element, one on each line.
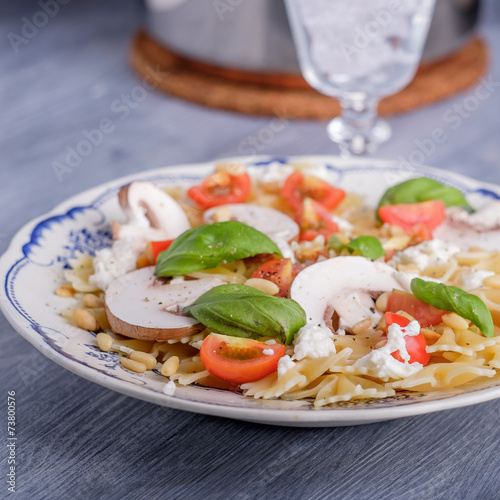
<point>358,130</point>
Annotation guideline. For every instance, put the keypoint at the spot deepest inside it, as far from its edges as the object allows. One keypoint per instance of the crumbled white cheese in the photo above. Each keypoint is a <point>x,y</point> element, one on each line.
<point>268,352</point>
<point>285,248</point>
<point>484,219</point>
<point>313,341</point>
<point>318,170</point>
<point>169,388</point>
<point>344,225</point>
<point>433,253</point>
<point>474,279</point>
<point>382,365</point>
<point>284,364</point>
<point>270,342</point>
<point>111,263</point>
<point>274,172</point>
<point>404,279</point>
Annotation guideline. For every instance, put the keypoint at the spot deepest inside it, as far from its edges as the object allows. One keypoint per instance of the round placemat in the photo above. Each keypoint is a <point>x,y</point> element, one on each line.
<point>289,95</point>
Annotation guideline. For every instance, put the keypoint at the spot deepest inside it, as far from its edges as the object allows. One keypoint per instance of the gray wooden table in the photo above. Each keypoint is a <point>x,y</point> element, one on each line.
<point>79,440</point>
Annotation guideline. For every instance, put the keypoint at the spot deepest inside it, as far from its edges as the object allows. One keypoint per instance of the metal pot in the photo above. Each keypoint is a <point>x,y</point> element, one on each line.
<point>254,36</point>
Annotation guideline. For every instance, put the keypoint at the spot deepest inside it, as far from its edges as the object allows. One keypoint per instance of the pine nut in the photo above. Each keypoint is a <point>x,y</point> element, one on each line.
<point>455,321</point>
<point>492,281</point>
<point>430,335</point>
<point>263,285</point>
<point>170,366</point>
<point>381,343</point>
<point>92,301</point>
<point>133,366</point>
<point>104,341</point>
<point>406,315</point>
<point>144,358</point>
<point>381,302</point>
<point>85,320</point>
<point>362,325</point>
<point>65,291</point>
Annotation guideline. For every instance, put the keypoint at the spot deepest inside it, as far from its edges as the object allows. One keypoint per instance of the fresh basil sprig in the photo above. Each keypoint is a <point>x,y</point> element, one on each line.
<point>450,298</point>
<point>423,189</point>
<point>243,311</point>
<point>367,246</point>
<point>207,246</point>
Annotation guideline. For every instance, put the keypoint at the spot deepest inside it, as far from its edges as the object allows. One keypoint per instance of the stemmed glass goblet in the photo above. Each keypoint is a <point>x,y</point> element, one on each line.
<point>359,51</point>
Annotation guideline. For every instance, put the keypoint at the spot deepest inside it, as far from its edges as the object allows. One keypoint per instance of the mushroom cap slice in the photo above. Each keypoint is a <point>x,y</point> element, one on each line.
<point>345,285</point>
<point>153,215</point>
<point>141,306</point>
<point>147,205</point>
<point>267,220</point>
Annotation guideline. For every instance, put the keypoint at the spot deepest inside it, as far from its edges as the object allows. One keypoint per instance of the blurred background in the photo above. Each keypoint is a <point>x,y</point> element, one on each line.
<point>66,67</point>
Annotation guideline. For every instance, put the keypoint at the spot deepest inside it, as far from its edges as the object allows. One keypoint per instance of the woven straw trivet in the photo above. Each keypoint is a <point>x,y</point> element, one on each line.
<point>289,95</point>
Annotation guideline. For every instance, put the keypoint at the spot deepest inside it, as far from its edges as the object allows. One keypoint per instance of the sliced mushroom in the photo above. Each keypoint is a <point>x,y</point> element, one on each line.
<point>141,306</point>
<point>344,285</point>
<point>152,215</point>
<point>480,229</point>
<point>273,223</point>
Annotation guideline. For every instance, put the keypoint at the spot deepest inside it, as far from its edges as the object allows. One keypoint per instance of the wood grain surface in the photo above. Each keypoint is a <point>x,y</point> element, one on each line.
<point>77,440</point>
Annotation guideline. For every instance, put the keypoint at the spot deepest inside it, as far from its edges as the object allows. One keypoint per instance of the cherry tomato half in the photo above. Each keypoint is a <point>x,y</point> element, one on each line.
<point>425,314</point>
<point>151,252</point>
<point>279,271</point>
<point>298,186</point>
<point>239,360</point>
<point>430,213</point>
<point>415,345</point>
<point>221,188</point>
<point>314,219</point>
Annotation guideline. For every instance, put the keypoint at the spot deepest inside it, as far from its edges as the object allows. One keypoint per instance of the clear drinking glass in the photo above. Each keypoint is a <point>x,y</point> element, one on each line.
<point>359,51</point>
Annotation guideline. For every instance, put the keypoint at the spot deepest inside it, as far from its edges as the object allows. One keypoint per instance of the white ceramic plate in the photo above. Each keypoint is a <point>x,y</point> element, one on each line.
<point>32,269</point>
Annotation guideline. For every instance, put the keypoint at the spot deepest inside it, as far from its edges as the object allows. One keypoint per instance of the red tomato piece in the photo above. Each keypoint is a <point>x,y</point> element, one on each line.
<point>159,246</point>
<point>239,360</point>
<point>425,314</point>
<point>415,345</point>
<point>314,219</point>
<point>430,213</point>
<point>279,271</point>
<point>221,188</point>
<point>420,233</point>
<point>298,186</point>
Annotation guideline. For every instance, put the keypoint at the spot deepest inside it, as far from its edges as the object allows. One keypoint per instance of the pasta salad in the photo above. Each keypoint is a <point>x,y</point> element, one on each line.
<point>278,284</point>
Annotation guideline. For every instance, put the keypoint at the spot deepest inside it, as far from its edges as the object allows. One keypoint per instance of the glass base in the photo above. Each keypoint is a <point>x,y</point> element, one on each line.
<point>358,141</point>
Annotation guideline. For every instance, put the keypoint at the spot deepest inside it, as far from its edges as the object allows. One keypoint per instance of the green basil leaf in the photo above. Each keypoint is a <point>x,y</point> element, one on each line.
<point>367,246</point>
<point>450,298</point>
<point>335,244</point>
<point>423,189</point>
<point>207,246</point>
<point>243,311</point>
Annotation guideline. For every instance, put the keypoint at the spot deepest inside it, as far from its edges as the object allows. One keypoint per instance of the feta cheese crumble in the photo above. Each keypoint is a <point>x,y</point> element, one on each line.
<point>169,388</point>
<point>381,364</point>
<point>284,364</point>
<point>268,352</point>
<point>474,279</point>
<point>433,253</point>
<point>111,263</point>
<point>484,219</point>
<point>313,341</point>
